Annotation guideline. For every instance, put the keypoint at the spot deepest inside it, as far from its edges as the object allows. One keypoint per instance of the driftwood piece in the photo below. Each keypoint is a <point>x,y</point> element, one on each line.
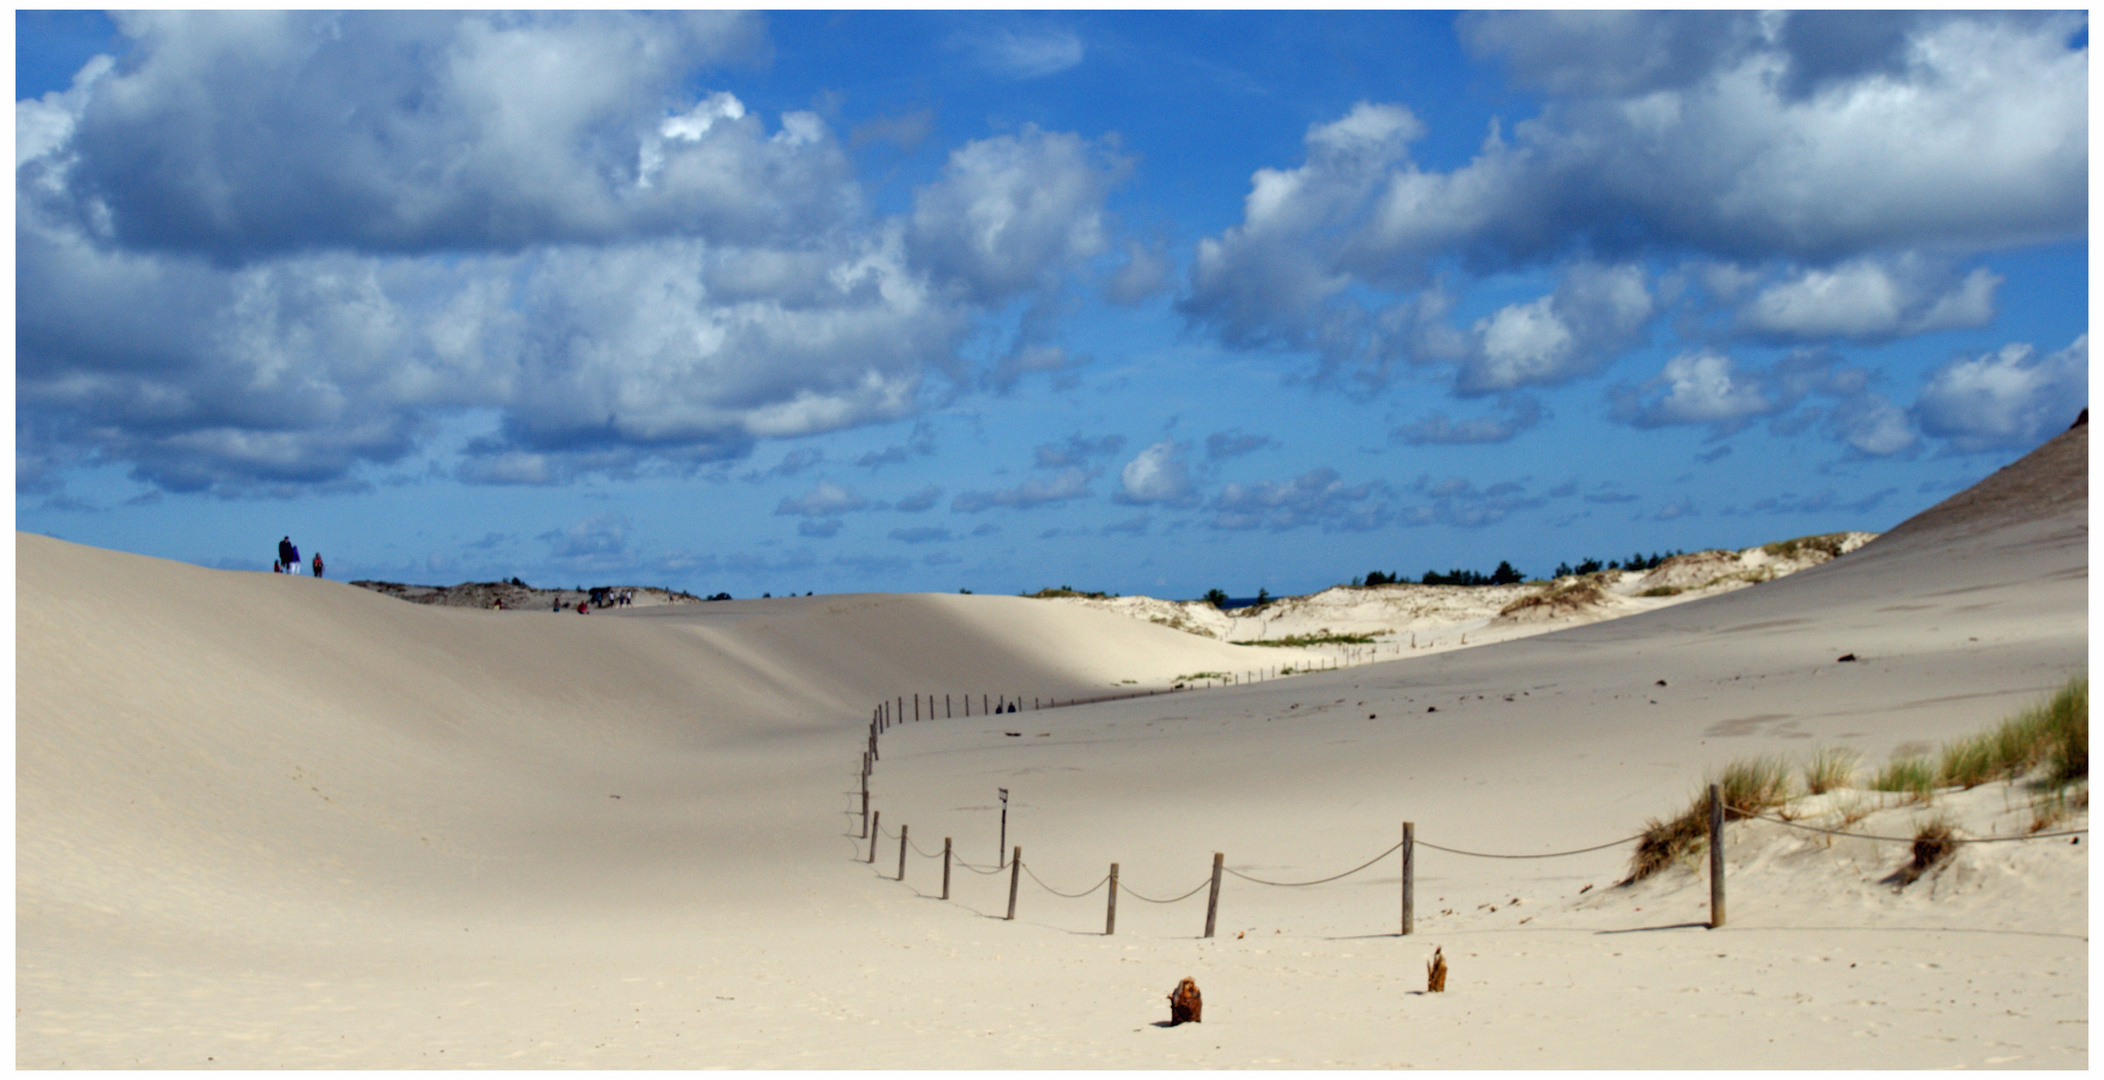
<point>1435,973</point>
<point>1184,1003</point>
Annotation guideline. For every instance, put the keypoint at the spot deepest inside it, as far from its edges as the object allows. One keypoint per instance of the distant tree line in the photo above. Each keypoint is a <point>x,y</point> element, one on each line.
<point>1638,561</point>
<point>1503,575</point>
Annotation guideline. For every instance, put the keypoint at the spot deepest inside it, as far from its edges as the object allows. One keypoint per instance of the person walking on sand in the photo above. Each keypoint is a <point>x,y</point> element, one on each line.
<point>317,564</point>
<point>292,565</point>
<point>285,552</point>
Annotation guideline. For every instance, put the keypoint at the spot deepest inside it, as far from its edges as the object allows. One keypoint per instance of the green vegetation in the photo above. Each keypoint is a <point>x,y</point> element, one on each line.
<point>1063,590</point>
<point>1663,590</point>
<point>1914,777</point>
<point>1748,786</point>
<point>1638,561</point>
<point>1215,597</point>
<point>1827,543</point>
<point>2048,741</point>
<point>1830,767</point>
<point>1302,640</point>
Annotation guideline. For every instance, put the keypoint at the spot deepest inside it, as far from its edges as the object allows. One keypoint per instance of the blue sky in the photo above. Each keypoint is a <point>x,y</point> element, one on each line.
<point>1143,302</point>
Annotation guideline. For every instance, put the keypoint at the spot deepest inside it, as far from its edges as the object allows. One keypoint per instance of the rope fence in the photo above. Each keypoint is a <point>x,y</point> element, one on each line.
<point>887,713</point>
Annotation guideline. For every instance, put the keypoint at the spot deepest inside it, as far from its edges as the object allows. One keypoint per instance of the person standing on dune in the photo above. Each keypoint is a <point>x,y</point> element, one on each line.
<point>317,564</point>
<point>285,552</point>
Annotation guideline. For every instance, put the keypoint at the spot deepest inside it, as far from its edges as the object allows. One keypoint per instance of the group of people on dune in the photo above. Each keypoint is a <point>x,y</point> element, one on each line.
<point>288,561</point>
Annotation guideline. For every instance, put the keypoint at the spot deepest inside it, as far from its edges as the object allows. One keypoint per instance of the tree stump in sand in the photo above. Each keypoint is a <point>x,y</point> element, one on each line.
<point>1184,1003</point>
<point>1435,974</point>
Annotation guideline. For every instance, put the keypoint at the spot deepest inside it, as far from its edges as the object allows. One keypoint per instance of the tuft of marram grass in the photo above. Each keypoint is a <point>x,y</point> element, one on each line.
<point>1934,841</point>
<point>1830,767</point>
<point>2066,722</point>
<point>1749,786</point>
<point>1914,777</point>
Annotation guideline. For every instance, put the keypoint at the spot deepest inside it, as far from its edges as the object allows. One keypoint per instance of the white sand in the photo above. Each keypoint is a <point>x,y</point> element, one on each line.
<point>267,821</point>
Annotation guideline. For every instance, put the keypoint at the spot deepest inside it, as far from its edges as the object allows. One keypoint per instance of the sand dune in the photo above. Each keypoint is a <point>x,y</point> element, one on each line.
<point>268,821</point>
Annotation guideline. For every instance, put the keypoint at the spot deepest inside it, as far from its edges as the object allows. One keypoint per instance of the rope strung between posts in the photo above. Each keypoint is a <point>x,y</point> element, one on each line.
<point>1298,884</point>
<point>976,870</point>
<point>1202,883</point>
<point>1546,855</point>
<point>1071,896</point>
<point>1912,839</point>
<point>923,854</point>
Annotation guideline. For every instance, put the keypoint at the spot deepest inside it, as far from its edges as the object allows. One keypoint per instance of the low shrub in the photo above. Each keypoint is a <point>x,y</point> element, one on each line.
<point>1663,590</point>
<point>1301,640</point>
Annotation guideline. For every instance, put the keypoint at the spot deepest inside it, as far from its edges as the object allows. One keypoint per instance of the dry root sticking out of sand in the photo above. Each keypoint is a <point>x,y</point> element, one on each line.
<point>1435,973</point>
<point>1184,1003</point>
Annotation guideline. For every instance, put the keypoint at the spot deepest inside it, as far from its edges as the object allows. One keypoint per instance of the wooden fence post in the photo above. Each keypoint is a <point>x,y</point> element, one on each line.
<point>1409,876</point>
<point>902,851</point>
<point>916,708</point>
<point>946,706</point>
<point>1212,899</point>
<point>1015,878</point>
<point>1716,853</point>
<point>1110,917</point>
<point>946,868</point>
<point>876,828</point>
<point>865,812</point>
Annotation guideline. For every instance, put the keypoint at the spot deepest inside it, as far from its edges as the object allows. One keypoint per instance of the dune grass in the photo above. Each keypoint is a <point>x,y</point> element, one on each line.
<point>1828,768</point>
<point>1302,640</point>
<point>2050,739</point>
<point>1913,777</point>
<point>1748,786</point>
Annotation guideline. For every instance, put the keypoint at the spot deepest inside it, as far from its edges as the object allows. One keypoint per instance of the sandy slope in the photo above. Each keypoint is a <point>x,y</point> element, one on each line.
<point>269,821</point>
<point>1415,620</point>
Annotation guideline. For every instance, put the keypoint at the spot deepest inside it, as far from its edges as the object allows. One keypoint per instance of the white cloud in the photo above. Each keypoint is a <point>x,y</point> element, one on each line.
<point>1023,52</point>
<point>1010,209</point>
<point>1065,485</point>
<point>1723,137</point>
<point>1316,497</point>
<point>1159,474</point>
<point>1513,416</point>
<point>1871,299</point>
<point>825,499</point>
<point>2008,399</point>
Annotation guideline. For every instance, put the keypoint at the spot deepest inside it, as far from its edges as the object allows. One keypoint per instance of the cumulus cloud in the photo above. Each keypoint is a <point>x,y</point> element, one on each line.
<point>1708,388</point>
<point>1145,273</point>
<point>1076,450</point>
<point>918,500</point>
<point>1870,299</point>
<point>825,499</point>
<point>1062,486</point>
<point>923,534</point>
<point>600,540</point>
<point>274,248</point>
<point>1316,497</point>
<point>2012,398</point>
<point>1460,503</point>
<point>1233,443</point>
<point>1842,154</point>
<point>1011,209</point>
<point>1159,475</point>
<point>1516,414</point>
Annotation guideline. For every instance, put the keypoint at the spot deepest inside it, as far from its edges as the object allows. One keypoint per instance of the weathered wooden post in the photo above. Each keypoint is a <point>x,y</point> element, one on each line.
<point>865,812</point>
<point>1015,878</point>
<point>946,868</point>
<point>916,708</point>
<point>902,851</point>
<point>1110,917</point>
<point>1212,899</point>
<point>1409,876</point>
<point>876,829</point>
<point>1716,854</point>
<point>1004,828</point>
<point>946,706</point>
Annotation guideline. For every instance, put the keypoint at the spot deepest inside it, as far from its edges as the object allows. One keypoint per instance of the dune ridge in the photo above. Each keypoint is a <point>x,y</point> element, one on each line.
<point>268,821</point>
